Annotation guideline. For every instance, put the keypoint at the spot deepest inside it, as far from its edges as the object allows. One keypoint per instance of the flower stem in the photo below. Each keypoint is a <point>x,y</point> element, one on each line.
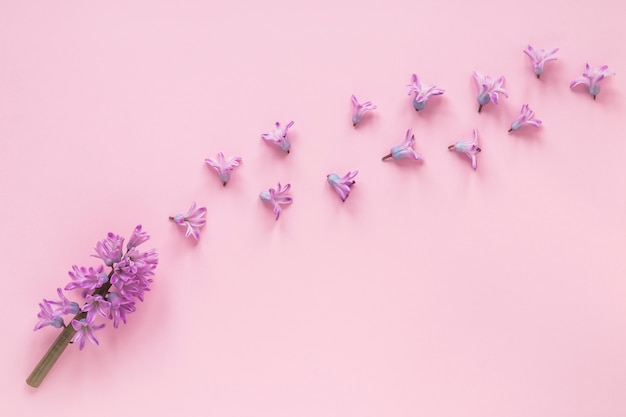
<point>480,107</point>
<point>62,341</point>
<point>386,157</point>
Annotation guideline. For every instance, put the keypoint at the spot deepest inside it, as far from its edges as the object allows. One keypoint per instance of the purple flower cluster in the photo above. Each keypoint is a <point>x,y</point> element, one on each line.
<point>105,295</point>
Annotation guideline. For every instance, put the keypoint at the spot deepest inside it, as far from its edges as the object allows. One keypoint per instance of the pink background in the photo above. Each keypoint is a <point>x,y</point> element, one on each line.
<point>433,291</point>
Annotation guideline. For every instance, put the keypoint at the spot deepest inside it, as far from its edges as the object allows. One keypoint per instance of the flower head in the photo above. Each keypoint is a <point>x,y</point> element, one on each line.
<point>469,148</point>
<point>137,238</point>
<point>539,57</point>
<point>525,119</point>
<point>277,197</point>
<point>343,184</point>
<point>359,109</point>
<point>488,89</point>
<point>96,304</point>
<point>193,220</point>
<point>48,317</point>
<point>592,77</point>
<point>110,249</point>
<point>278,136</point>
<point>422,92</point>
<point>120,306</point>
<point>224,166</point>
<point>85,331</point>
<point>64,306</point>
<point>405,149</point>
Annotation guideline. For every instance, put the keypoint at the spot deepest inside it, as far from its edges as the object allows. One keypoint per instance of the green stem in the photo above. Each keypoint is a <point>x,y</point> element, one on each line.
<point>62,341</point>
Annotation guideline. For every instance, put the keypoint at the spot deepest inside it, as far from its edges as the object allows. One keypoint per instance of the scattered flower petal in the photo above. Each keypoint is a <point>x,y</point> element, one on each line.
<point>592,77</point>
<point>525,119</point>
<point>539,57</point>
<point>405,149</point>
<point>277,197</point>
<point>422,92</point>
<point>488,89</point>
<point>359,109</point>
<point>224,166</point>
<point>342,185</point>
<point>469,148</point>
<point>278,136</point>
<point>193,220</point>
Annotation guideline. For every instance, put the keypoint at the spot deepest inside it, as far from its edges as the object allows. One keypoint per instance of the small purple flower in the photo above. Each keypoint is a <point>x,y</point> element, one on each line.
<point>85,331</point>
<point>592,77</point>
<point>193,220</point>
<point>86,279</point>
<point>224,166</point>
<point>277,197</point>
<point>525,119</point>
<point>489,89</point>
<point>96,304</point>
<point>110,249</point>
<point>279,137</point>
<point>343,184</point>
<point>47,317</point>
<point>422,92</point>
<point>65,306</point>
<point>119,307</point>
<point>539,57</point>
<point>137,238</point>
<point>359,109</point>
<point>469,148</point>
<point>405,150</point>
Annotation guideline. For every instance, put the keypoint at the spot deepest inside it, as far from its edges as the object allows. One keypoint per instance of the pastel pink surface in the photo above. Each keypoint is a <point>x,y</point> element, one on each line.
<point>433,290</point>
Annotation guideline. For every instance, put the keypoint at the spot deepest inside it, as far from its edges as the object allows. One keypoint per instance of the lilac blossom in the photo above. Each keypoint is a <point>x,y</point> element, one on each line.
<point>277,197</point>
<point>359,109</point>
<point>110,249</point>
<point>539,57</point>
<point>405,149</point>
<point>469,148</point>
<point>86,278</point>
<point>224,166</point>
<point>85,331</point>
<point>48,317</point>
<point>193,220</point>
<point>525,119</point>
<point>342,185</point>
<point>592,77</point>
<point>278,136</point>
<point>422,92</point>
<point>96,304</point>
<point>488,89</point>
<point>110,296</point>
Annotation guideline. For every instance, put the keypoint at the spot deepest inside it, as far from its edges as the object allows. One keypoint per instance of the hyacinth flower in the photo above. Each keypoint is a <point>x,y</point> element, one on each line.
<point>278,136</point>
<point>223,166</point>
<point>525,119</point>
<point>342,185</point>
<point>277,197</point>
<point>539,57</point>
<point>592,77</point>
<point>405,149</point>
<point>488,89</point>
<point>469,148</point>
<point>193,220</point>
<point>359,110</point>
<point>109,298</point>
<point>422,92</point>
